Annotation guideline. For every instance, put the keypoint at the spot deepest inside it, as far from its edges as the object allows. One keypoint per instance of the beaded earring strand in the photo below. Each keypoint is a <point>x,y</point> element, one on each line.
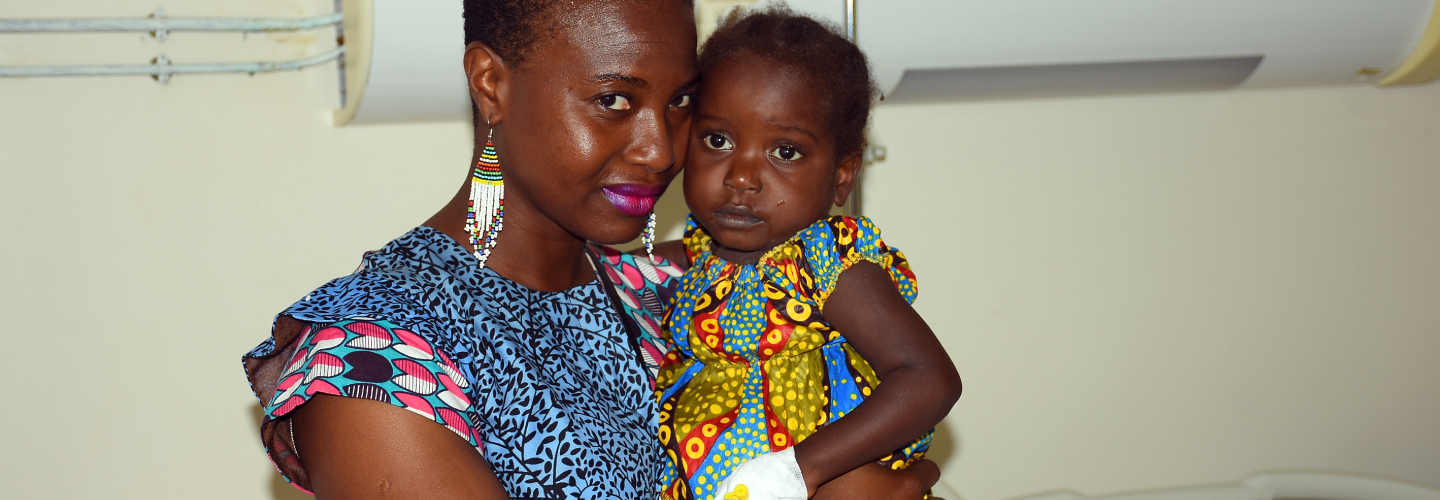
<point>487,202</point>
<point>649,238</point>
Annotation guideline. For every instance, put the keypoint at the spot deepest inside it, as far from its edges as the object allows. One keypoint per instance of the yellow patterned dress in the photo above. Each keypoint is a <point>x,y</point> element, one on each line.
<point>756,368</point>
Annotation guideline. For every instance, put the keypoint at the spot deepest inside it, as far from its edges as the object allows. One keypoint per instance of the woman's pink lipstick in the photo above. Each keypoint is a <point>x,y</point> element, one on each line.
<point>635,200</point>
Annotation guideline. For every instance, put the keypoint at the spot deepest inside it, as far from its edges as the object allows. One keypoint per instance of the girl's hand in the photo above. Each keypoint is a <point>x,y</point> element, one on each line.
<point>772,476</point>
<point>875,482</point>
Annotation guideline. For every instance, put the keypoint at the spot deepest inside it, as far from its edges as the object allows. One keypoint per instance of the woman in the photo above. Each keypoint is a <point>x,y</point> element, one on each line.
<point>489,319</point>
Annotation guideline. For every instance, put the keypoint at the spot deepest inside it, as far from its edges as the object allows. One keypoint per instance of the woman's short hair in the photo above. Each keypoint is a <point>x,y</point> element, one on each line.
<point>512,28</point>
<point>817,49</point>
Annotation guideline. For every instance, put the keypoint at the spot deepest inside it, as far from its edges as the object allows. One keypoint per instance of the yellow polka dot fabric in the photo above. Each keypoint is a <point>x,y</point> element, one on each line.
<point>756,368</point>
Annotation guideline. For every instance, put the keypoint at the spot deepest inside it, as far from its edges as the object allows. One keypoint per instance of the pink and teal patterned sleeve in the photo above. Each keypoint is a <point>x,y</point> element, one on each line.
<point>644,287</point>
<point>380,361</point>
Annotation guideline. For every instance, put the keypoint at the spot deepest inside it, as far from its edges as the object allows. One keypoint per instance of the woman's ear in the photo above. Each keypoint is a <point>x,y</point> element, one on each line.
<point>845,173</point>
<point>489,79</point>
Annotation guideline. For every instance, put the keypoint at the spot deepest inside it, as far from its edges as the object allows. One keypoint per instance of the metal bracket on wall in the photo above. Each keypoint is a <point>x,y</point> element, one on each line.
<point>160,26</point>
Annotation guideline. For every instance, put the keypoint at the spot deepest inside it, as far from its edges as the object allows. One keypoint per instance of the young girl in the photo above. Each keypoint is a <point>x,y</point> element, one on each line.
<point>787,319</point>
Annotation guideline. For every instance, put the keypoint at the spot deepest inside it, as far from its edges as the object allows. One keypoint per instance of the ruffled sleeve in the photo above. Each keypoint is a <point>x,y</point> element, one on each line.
<point>357,358</point>
<point>840,242</point>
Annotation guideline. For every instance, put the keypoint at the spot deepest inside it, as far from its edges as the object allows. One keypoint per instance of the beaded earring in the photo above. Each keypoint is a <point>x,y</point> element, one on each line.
<point>649,238</point>
<point>487,202</point>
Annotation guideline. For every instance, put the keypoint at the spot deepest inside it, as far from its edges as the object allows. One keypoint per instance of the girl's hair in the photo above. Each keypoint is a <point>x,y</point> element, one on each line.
<point>513,27</point>
<point>817,49</point>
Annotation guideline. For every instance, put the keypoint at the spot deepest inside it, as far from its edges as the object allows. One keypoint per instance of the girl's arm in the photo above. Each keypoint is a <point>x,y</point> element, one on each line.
<point>918,381</point>
<point>357,448</point>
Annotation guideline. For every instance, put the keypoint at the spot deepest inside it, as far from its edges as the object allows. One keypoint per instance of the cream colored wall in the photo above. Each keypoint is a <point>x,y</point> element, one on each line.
<point>1139,292</point>
<point>151,232</point>
<point>1152,291</point>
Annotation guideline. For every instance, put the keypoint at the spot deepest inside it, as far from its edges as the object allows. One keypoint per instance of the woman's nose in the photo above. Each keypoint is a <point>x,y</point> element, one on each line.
<point>651,147</point>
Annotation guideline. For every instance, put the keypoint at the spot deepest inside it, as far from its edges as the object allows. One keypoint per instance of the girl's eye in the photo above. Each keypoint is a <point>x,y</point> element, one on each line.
<point>717,142</point>
<point>682,101</point>
<point>786,153</point>
<point>615,102</point>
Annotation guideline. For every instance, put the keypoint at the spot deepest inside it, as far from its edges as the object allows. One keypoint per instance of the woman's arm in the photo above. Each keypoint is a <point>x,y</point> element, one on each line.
<point>356,449</point>
<point>918,385</point>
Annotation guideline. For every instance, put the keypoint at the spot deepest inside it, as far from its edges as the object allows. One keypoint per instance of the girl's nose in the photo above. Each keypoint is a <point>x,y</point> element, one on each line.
<point>742,176</point>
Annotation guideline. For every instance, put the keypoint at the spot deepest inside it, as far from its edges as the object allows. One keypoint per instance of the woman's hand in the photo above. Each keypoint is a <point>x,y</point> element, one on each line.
<point>875,482</point>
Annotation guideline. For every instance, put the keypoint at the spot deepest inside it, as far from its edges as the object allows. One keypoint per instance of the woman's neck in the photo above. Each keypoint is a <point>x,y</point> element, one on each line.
<point>531,250</point>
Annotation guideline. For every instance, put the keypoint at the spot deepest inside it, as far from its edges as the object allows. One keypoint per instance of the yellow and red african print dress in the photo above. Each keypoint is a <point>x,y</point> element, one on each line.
<point>756,368</point>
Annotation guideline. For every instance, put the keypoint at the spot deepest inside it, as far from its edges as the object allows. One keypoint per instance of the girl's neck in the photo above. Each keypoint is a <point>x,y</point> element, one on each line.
<point>738,256</point>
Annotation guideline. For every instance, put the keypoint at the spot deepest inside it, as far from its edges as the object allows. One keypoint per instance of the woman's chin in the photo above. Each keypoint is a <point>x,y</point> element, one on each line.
<point>616,234</point>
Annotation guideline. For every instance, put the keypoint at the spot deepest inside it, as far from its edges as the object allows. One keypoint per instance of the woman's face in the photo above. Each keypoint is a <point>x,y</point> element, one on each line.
<point>762,165</point>
<point>594,122</point>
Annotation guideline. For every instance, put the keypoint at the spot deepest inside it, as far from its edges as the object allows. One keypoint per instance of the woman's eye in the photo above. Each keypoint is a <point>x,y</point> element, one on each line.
<point>786,153</point>
<point>717,142</point>
<point>615,102</point>
<point>682,101</point>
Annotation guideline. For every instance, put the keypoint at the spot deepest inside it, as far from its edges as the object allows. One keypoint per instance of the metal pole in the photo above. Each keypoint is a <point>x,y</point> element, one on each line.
<point>850,20</point>
<point>162,24</point>
<point>852,207</point>
<point>161,69</point>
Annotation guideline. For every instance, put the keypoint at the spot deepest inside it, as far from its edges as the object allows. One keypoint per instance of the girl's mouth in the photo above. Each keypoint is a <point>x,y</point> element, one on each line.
<point>635,200</point>
<point>736,217</point>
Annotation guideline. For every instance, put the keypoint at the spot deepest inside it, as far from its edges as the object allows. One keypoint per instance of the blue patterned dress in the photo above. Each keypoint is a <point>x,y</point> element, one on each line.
<point>553,388</point>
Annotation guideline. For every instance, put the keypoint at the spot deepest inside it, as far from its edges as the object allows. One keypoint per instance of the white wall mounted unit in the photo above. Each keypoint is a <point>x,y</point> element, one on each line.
<point>1065,42</point>
<point>1064,80</point>
<point>404,62</point>
<point>403,59</point>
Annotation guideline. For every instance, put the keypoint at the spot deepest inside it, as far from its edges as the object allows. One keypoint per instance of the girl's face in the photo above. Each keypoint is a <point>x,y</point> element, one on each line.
<point>761,164</point>
<point>593,123</point>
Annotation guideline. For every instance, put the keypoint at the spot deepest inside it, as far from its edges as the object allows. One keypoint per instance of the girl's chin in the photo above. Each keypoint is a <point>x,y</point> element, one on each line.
<point>738,246</point>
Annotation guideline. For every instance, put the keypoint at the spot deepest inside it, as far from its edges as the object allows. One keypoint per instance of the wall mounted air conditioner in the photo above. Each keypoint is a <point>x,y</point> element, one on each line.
<point>404,56</point>
<point>971,49</point>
